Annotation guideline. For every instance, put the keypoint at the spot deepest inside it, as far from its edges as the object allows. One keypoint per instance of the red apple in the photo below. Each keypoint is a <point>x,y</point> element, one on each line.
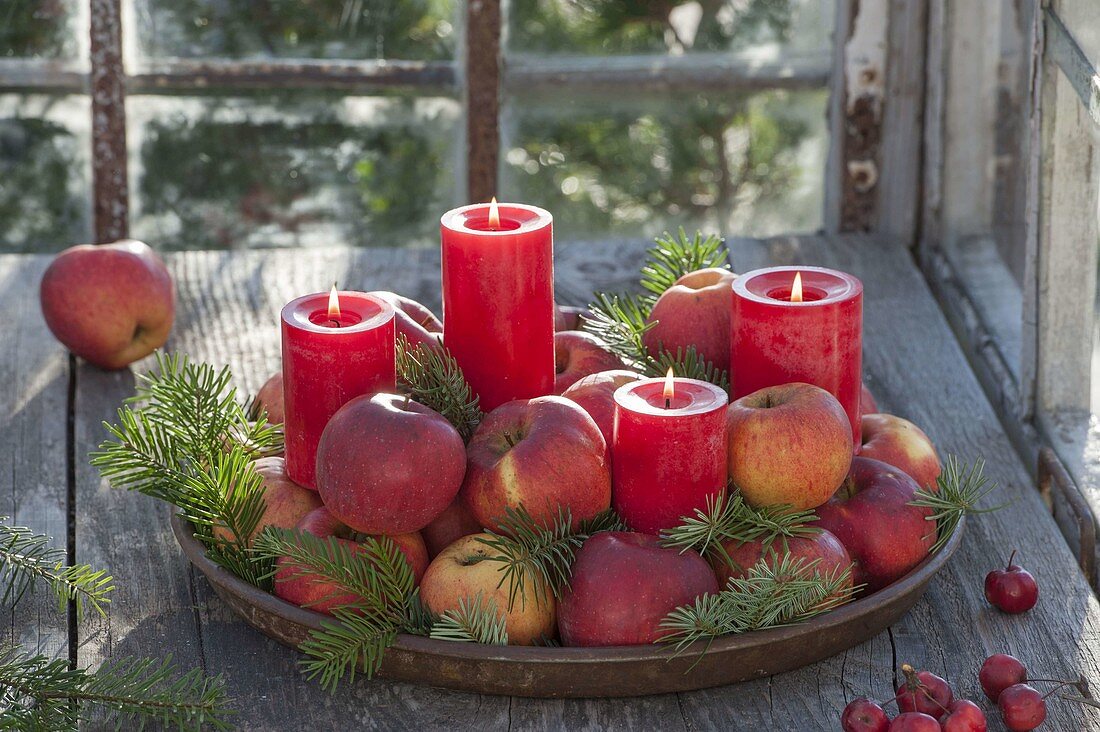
<point>456,521</point>
<point>823,548</point>
<point>789,444</point>
<point>695,311</point>
<point>541,453</point>
<point>110,304</point>
<point>872,516</point>
<point>270,397</point>
<point>416,322</point>
<point>560,322</point>
<point>596,395</point>
<point>578,354</point>
<point>623,586</point>
<point>462,571</point>
<point>286,501</point>
<point>294,584</point>
<point>388,465</point>
<point>867,404</point>
<point>899,442</point>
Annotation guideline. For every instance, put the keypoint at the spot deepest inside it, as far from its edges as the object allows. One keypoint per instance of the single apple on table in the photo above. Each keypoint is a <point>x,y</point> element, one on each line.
<point>456,521</point>
<point>388,465</point>
<point>270,397</point>
<point>872,516</point>
<point>623,586</point>
<point>296,584</point>
<point>823,549</point>
<point>285,501</point>
<point>463,571</point>
<point>540,453</point>
<point>415,321</point>
<point>789,444</point>
<point>595,394</point>
<point>110,304</point>
<point>900,443</point>
<point>695,311</point>
<point>578,354</point>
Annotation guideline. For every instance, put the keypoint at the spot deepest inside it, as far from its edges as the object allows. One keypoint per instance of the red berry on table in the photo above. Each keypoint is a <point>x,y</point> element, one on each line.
<point>964,716</point>
<point>999,672</point>
<point>1022,708</point>
<point>923,691</point>
<point>1012,589</point>
<point>914,722</point>
<point>863,715</point>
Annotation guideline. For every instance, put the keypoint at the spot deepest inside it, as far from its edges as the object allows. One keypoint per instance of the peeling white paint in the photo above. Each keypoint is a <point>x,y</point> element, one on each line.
<point>865,54</point>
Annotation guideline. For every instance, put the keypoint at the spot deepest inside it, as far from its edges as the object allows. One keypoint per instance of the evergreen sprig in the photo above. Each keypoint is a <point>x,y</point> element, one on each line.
<point>728,518</point>
<point>774,593</point>
<point>959,491</point>
<point>674,256</point>
<point>537,556</point>
<point>475,620</point>
<point>39,694</point>
<point>433,378</point>
<point>27,557</point>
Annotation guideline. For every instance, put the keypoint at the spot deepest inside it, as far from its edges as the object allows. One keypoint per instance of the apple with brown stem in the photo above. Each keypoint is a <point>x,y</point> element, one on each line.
<point>694,311</point>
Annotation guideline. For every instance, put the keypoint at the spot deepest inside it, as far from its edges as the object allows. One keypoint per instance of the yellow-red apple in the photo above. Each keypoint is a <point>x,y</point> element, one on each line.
<point>823,549</point>
<point>789,444</point>
<point>448,527</point>
<point>901,443</point>
<point>110,304</point>
<point>596,395</point>
<point>540,453</point>
<point>415,321</point>
<point>463,571</point>
<point>388,465</point>
<point>578,354</point>
<point>286,501</point>
<point>873,517</point>
<point>295,584</point>
<point>270,397</point>
<point>867,404</point>
<point>623,586</point>
<point>695,311</point>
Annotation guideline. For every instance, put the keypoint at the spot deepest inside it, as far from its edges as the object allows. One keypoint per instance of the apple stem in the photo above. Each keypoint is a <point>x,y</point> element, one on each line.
<point>408,398</point>
<point>1010,558</point>
<point>1061,685</point>
<point>509,439</point>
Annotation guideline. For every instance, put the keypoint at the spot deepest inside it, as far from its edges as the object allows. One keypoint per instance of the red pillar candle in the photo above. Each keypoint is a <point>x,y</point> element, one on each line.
<point>336,346</point>
<point>779,335</point>
<point>498,299</point>
<point>668,450</point>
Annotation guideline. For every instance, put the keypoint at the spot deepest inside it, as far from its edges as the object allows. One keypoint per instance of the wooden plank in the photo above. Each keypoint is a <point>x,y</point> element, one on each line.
<point>33,408</point>
<point>110,186</point>
<point>483,59</point>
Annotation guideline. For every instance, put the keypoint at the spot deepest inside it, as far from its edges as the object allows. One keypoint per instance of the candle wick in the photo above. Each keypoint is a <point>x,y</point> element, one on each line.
<point>668,403</point>
<point>333,322</point>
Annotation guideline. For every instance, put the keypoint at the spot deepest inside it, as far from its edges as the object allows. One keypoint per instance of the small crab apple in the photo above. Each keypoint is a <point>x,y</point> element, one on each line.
<point>964,715</point>
<point>999,672</point>
<point>1022,708</point>
<point>914,722</point>
<point>923,691</point>
<point>1012,589</point>
<point>864,715</point>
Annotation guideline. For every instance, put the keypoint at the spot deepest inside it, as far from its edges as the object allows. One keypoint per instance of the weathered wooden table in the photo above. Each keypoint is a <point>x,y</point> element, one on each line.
<point>51,413</point>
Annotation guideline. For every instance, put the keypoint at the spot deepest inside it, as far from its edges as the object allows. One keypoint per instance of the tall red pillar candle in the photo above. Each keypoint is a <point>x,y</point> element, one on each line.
<point>668,450</point>
<point>779,335</point>
<point>333,351</point>
<point>498,299</point>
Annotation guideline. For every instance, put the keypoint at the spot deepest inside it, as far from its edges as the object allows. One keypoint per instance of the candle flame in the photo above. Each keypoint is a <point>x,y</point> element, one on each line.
<point>796,288</point>
<point>333,303</point>
<point>670,386</point>
<point>494,214</point>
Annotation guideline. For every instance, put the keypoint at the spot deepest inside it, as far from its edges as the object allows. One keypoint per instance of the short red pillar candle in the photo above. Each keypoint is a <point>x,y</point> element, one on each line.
<point>778,337</point>
<point>668,453</point>
<point>329,358</point>
<point>498,299</point>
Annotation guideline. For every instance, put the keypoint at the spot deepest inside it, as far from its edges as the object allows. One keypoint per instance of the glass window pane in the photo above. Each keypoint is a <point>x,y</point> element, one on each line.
<point>606,27</point>
<point>348,29</point>
<point>742,164</point>
<point>292,170</point>
<point>41,28</point>
<point>45,204</point>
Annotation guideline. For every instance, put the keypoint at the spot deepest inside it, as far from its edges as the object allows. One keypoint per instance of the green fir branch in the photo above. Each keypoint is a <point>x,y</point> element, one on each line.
<point>687,363</point>
<point>432,377</point>
<point>959,491</point>
<point>475,620</point>
<point>352,642</point>
<point>27,557</point>
<point>39,694</point>
<point>673,257</point>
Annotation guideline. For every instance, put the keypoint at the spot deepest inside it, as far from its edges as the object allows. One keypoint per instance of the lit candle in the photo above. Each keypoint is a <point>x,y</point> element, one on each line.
<point>498,299</point>
<point>668,450</point>
<point>798,324</point>
<point>336,346</point>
